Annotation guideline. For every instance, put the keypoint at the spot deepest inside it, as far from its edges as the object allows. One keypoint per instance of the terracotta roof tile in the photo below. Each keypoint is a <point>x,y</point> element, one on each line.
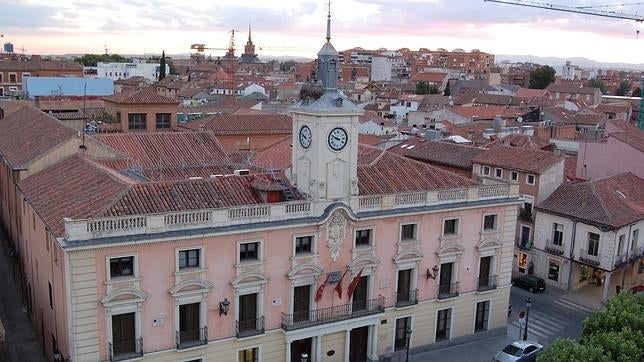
<point>614,201</point>
<point>633,138</point>
<point>28,133</point>
<point>489,112</point>
<point>527,160</point>
<point>276,156</point>
<point>571,88</point>
<point>429,77</point>
<point>520,141</point>
<point>147,95</point>
<point>227,124</point>
<point>446,153</point>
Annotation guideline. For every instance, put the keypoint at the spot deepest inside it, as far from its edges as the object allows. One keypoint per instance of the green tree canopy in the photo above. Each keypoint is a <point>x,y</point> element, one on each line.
<point>637,92</point>
<point>162,66</point>
<point>597,83</point>
<point>571,351</point>
<point>90,60</point>
<point>623,88</point>
<point>422,88</point>
<point>541,77</point>
<point>626,345</point>
<point>434,90</point>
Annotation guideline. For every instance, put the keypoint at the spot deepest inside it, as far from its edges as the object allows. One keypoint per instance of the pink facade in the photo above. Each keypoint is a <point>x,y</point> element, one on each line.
<point>598,160</point>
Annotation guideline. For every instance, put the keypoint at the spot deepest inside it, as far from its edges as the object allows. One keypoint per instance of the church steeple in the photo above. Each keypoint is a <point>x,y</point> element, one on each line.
<point>328,60</point>
<point>249,49</point>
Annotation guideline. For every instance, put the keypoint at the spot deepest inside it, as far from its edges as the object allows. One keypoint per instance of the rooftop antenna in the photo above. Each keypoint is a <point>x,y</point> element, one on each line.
<point>328,24</point>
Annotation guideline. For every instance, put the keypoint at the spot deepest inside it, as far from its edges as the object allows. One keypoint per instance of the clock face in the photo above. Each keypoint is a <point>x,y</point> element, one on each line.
<point>305,137</point>
<point>337,139</point>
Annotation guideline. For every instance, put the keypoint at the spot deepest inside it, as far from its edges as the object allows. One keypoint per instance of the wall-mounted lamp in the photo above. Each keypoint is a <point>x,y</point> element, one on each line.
<point>431,275</point>
<point>223,307</point>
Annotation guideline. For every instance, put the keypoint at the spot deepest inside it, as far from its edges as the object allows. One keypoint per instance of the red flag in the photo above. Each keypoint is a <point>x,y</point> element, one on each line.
<point>354,284</point>
<point>338,288</point>
<point>318,293</point>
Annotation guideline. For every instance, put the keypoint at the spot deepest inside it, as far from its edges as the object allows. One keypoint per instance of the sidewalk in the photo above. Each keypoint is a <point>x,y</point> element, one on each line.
<point>482,350</point>
<point>20,343</point>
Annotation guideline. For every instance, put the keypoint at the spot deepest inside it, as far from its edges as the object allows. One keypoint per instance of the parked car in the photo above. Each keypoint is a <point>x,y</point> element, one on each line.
<point>519,351</point>
<point>530,282</point>
<point>637,289</point>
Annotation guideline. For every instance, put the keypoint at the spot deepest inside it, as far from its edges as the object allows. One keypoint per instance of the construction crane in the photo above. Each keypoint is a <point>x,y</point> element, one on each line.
<point>200,48</point>
<point>229,58</point>
<point>588,10</point>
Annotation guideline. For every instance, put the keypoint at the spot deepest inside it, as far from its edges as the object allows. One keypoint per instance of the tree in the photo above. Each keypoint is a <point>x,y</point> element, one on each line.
<point>597,83</point>
<point>625,310</point>
<point>541,77</point>
<point>625,346</point>
<point>448,91</point>
<point>571,351</point>
<point>637,92</point>
<point>422,87</point>
<point>90,60</point>
<point>162,66</point>
<point>623,88</point>
<point>434,90</point>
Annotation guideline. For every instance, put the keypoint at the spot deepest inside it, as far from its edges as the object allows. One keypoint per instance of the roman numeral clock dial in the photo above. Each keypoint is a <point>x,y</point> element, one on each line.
<point>305,137</point>
<point>337,139</point>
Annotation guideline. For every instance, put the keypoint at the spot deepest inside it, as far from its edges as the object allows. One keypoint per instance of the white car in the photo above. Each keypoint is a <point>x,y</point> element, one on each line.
<point>519,351</point>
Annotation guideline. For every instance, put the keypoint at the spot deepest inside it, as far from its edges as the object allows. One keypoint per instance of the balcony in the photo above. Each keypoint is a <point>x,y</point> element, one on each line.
<point>585,257</point>
<point>525,244</point>
<point>525,214</point>
<point>553,248</point>
<point>620,260</point>
<point>191,338</point>
<point>446,291</point>
<point>333,314</point>
<point>123,350</point>
<point>486,283</point>
<point>408,298</point>
<point>251,327</point>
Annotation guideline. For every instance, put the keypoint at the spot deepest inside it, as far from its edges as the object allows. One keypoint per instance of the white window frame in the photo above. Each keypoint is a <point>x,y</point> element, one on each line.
<point>512,176</point>
<point>130,307</point>
<point>9,78</point>
<point>411,326</point>
<point>260,251</point>
<point>489,316</point>
<point>25,74</point>
<point>451,323</point>
<point>135,266</point>
<point>259,351</point>
<point>190,299</point>
<point>202,252</point>
<point>314,250</point>
<point>486,170</point>
<point>201,358</point>
<point>496,222</point>
<point>458,226</point>
<point>416,226</point>
<point>527,179</point>
<point>302,282</point>
<point>253,289</point>
<point>413,278</point>
<point>496,170</point>
<point>372,238</point>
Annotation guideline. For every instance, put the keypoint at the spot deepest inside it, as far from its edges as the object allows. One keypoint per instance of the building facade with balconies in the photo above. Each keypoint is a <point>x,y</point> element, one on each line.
<point>589,234</point>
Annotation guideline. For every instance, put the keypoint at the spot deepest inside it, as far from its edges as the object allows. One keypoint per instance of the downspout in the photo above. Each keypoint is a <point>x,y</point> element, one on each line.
<point>572,255</point>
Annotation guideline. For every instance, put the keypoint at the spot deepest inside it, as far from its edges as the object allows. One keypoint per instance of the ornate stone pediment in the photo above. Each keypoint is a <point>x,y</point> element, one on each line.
<point>251,277</point>
<point>335,232</point>
<point>304,270</point>
<point>122,296</point>
<point>366,261</point>
<point>407,255</point>
<point>191,286</point>
<point>489,244</point>
<point>450,249</point>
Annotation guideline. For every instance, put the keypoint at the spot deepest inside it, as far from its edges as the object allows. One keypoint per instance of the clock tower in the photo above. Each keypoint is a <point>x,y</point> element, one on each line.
<point>325,135</point>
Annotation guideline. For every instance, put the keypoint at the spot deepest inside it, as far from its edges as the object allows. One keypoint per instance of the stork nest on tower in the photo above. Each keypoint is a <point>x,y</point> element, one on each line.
<point>311,91</point>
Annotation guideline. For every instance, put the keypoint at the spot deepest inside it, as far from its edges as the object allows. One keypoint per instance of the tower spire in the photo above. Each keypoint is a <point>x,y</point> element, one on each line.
<point>249,30</point>
<point>328,23</point>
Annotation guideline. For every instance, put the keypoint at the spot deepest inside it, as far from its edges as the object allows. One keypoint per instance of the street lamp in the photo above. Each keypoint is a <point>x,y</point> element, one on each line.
<point>408,335</point>
<point>528,304</point>
<point>304,357</point>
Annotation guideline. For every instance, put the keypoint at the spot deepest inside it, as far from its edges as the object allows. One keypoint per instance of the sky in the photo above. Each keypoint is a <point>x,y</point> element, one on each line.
<point>297,27</point>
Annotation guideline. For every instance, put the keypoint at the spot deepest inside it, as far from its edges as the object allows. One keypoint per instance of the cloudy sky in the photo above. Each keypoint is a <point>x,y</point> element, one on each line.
<point>297,27</point>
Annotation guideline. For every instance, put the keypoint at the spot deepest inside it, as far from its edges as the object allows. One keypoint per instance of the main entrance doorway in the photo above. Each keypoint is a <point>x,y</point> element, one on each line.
<point>299,347</point>
<point>358,341</point>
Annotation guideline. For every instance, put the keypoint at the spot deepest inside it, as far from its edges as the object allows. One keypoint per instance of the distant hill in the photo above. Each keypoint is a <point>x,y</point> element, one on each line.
<point>558,62</point>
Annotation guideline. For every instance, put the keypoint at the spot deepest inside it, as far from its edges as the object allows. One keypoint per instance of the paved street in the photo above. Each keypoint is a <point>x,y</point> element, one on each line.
<point>552,315</point>
<point>21,344</point>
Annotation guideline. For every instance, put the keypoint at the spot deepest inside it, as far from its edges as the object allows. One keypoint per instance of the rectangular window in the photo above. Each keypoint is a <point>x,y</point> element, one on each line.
<point>249,251</point>
<point>51,296</point>
<point>163,120</point>
<point>408,232</point>
<point>303,244</point>
<point>443,324</point>
<point>557,234</point>
<point>402,325</point>
<point>450,227</point>
<point>593,244</point>
<point>486,170</point>
<point>248,355</point>
<point>489,222</point>
<point>530,179</point>
<point>498,172</point>
<point>189,258</point>
<point>620,244</point>
<point>363,237</point>
<point>248,312</point>
<point>123,336</point>
<point>189,323</point>
<point>514,176</point>
<point>121,266</point>
<point>137,121</point>
<point>553,271</point>
<point>13,78</point>
<point>301,303</point>
<point>636,235</point>
<point>482,316</point>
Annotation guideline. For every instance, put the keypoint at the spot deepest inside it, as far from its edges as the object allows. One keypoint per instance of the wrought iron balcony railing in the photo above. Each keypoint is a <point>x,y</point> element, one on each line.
<point>486,283</point>
<point>191,338</point>
<point>404,299</point>
<point>122,350</point>
<point>249,327</point>
<point>447,290</point>
<point>553,248</point>
<point>589,258</point>
<point>333,314</point>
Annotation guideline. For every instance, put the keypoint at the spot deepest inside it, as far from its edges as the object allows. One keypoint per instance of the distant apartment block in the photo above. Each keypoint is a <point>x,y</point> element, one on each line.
<point>116,71</point>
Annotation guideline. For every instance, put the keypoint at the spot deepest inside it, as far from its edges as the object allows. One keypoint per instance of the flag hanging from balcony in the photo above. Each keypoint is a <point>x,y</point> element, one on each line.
<point>338,288</point>
<point>354,284</point>
<point>318,293</point>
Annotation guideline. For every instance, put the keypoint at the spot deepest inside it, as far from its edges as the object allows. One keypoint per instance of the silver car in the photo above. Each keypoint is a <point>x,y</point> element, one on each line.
<point>519,351</point>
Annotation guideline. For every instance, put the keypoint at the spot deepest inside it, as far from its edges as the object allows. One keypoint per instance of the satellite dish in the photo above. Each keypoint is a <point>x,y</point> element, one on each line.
<point>519,119</point>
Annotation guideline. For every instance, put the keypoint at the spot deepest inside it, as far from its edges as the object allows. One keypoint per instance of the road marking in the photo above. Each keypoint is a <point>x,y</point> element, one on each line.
<point>573,306</point>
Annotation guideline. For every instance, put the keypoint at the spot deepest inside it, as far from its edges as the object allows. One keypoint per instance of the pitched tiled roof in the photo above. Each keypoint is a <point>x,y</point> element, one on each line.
<point>527,160</point>
<point>521,141</point>
<point>243,124</point>
<point>168,148</point>
<point>147,95</point>
<point>391,173</point>
<point>530,93</point>
<point>614,201</point>
<point>429,77</point>
<point>633,138</point>
<point>38,64</point>
<point>570,88</point>
<point>276,156</point>
<point>488,112</point>
<point>446,153</point>
<point>29,133</point>
<point>570,168</point>
<point>74,188</point>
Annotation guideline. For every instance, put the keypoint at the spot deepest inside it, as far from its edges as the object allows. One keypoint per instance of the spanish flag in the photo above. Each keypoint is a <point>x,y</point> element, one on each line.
<point>318,293</point>
<point>338,288</point>
<point>354,284</point>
